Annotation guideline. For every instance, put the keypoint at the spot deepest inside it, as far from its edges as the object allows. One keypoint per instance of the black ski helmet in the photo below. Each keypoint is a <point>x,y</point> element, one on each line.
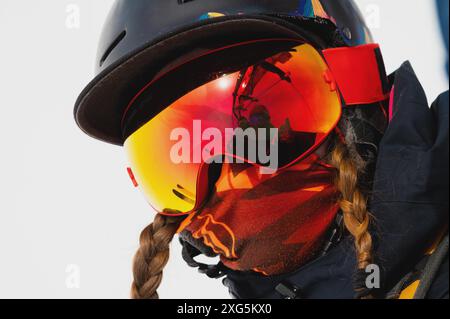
<point>142,37</point>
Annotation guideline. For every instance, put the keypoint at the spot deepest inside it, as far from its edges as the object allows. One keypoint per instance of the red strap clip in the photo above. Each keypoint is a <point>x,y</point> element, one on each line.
<point>359,72</point>
<point>133,179</point>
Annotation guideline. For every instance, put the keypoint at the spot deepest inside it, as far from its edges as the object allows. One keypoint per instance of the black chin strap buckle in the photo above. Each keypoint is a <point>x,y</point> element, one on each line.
<point>289,291</point>
<point>212,271</point>
<point>189,252</point>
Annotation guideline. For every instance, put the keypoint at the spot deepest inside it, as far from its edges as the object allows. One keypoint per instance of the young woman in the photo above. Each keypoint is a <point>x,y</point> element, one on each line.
<point>268,133</point>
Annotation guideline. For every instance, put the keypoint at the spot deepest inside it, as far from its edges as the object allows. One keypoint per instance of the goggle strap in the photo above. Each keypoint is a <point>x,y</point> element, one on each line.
<point>359,73</point>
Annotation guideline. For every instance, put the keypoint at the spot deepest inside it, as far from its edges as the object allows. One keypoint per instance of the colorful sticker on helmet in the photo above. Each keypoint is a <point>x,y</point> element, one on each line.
<point>306,9</point>
<point>311,9</point>
<point>319,11</point>
<point>211,15</point>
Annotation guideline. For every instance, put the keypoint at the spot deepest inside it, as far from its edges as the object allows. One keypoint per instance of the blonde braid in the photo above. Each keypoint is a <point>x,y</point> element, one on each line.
<point>152,256</point>
<point>353,203</point>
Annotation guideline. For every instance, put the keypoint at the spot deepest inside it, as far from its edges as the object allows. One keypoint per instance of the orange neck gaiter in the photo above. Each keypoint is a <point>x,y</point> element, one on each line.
<point>270,224</point>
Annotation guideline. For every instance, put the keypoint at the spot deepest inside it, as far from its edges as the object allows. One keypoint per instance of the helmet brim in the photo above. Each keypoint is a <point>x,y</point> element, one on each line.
<point>100,106</point>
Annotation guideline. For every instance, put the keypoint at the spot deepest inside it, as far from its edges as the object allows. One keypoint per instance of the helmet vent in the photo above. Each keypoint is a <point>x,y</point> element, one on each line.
<point>113,45</point>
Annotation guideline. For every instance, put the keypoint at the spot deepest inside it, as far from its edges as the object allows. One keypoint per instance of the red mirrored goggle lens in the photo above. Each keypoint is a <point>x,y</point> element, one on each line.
<point>290,95</point>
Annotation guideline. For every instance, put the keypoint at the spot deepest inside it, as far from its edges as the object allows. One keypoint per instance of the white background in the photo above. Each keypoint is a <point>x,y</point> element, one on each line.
<point>67,207</point>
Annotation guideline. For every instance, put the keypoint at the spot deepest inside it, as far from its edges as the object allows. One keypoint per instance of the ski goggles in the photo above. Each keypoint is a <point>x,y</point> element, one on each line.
<point>269,103</point>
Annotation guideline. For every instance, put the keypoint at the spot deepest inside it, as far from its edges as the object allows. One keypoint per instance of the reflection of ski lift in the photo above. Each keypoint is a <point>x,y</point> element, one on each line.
<point>250,85</point>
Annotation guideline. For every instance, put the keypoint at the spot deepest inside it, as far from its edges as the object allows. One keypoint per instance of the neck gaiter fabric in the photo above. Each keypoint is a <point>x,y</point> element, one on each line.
<point>270,224</point>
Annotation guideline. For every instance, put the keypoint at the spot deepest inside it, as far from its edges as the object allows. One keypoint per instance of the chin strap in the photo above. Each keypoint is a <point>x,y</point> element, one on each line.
<point>336,233</point>
<point>189,253</point>
<point>359,72</point>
